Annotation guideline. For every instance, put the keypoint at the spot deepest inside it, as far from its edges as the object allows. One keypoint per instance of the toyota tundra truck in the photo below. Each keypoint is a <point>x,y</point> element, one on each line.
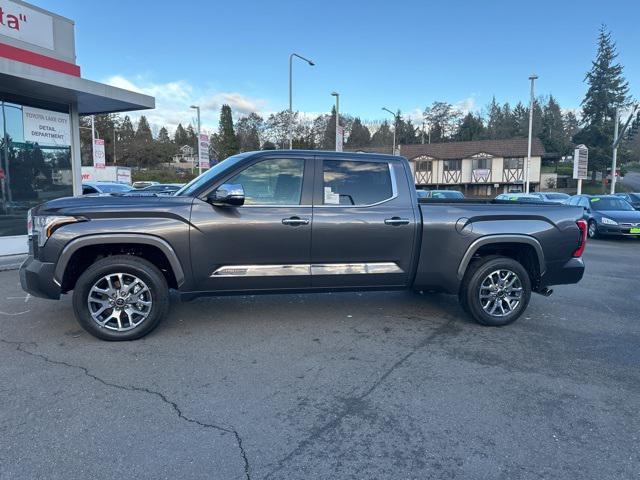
<point>295,221</point>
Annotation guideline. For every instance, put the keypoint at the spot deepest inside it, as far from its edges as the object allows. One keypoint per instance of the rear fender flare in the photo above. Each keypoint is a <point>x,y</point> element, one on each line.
<point>496,240</point>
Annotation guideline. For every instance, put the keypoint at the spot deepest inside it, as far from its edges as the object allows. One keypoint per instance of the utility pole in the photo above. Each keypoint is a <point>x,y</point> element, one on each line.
<point>617,138</point>
<point>533,79</point>
<point>337,95</point>
<point>395,125</point>
<point>197,108</point>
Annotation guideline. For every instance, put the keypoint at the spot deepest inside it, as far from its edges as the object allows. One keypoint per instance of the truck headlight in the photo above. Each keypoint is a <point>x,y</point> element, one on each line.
<point>608,221</point>
<point>44,225</point>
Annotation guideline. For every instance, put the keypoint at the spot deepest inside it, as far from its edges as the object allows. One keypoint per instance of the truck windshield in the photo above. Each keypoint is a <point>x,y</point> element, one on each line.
<point>205,177</point>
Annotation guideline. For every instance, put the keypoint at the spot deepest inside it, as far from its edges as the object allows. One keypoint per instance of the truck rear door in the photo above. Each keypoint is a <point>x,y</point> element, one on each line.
<point>364,223</point>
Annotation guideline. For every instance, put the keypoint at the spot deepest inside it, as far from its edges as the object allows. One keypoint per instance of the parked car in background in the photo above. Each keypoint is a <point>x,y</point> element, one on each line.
<point>632,198</point>
<point>553,197</point>
<point>89,188</point>
<point>422,194</point>
<point>143,184</point>
<point>519,197</point>
<point>608,215</point>
<point>448,194</point>
<point>163,188</point>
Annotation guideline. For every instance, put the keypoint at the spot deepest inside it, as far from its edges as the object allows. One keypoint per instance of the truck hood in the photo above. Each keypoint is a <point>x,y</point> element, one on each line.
<point>111,205</point>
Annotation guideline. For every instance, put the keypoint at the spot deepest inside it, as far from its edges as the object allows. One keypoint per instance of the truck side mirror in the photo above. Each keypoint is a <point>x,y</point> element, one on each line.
<point>227,195</point>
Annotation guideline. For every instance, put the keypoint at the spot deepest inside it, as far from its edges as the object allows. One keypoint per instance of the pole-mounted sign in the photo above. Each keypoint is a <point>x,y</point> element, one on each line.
<point>580,165</point>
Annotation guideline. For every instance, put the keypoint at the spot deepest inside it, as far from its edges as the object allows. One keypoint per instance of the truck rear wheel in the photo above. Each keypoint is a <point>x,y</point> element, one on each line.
<point>495,291</point>
<point>121,297</point>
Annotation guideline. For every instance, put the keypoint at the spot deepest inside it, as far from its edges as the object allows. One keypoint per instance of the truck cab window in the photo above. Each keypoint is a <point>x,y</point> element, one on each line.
<point>356,183</point>
<point>272,182</point>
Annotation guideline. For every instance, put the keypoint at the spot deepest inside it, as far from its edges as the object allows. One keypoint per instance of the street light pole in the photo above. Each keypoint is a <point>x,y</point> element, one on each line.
<point>311,64</point>
<point>395,125</point>
<point>337,95</point>
<point>617,138</point>
<point>533,79</point>
<point>197,109</point>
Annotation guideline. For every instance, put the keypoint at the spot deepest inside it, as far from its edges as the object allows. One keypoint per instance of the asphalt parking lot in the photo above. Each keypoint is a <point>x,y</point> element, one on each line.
<point>392,385</point>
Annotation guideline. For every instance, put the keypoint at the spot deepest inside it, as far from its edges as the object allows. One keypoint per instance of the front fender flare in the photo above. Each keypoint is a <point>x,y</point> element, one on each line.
<point>101,239</point>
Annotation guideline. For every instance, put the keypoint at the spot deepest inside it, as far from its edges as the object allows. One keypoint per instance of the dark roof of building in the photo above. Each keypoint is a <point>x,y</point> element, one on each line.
<point>512,147</point>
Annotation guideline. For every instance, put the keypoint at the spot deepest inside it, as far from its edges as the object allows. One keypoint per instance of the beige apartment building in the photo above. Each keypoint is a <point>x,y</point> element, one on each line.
<point>477,168</point>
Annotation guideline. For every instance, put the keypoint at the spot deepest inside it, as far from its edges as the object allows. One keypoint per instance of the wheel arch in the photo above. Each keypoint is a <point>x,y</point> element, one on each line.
<point>523,248</point>
<point>144,242</point>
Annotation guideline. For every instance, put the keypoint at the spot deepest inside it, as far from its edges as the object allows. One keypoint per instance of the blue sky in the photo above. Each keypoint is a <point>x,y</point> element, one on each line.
<point>399,54</point>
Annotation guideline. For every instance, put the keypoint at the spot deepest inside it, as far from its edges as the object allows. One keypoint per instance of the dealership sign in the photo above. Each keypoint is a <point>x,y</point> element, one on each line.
<point>580,162</point>
<point>98,153</point>
<point>46,127</point>
<point>203,151</point>
<point>339,138</point>
<point>25,24</point>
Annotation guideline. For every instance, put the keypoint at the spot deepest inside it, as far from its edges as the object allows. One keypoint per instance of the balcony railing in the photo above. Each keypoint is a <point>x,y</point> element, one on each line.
<point>423,177</point>
<point>513,175</point>
<point>452,176</point>
<point>481,175</point>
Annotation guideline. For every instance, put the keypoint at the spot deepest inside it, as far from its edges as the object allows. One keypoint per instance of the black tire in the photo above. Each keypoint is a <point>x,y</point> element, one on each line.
<point>592,225</point>
<point>472,283</point>
<point>131,267</point>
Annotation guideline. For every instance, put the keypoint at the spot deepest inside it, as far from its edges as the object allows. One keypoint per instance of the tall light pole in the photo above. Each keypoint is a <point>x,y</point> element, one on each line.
<point>311,64</point>
<point>533,78</point>
<point>197,109</point>
<point>617,138</point>
<point>395,125</point>
<point>337,95</point>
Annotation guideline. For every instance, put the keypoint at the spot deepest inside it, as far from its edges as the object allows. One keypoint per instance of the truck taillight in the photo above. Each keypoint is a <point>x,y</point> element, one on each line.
<point>582,225</point>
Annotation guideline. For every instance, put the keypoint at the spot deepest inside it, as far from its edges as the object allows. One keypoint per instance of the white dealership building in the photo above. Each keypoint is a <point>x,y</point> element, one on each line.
<point>42,95</point>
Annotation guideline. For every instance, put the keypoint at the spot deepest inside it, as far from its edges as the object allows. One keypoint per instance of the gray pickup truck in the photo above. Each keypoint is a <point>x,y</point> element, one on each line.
<point>295,221</point>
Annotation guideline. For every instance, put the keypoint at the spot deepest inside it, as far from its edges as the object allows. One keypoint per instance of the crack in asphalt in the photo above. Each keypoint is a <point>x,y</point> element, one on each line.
<point>352,404</point>
<point>130,388</point>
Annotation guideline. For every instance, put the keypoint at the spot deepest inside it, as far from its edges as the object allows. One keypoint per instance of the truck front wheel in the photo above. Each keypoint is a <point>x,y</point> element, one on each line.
<point>495,290</point>
<point>121,297</point>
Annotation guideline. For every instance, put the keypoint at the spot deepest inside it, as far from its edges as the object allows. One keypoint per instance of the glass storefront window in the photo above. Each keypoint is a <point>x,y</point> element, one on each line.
<point>30,173</point>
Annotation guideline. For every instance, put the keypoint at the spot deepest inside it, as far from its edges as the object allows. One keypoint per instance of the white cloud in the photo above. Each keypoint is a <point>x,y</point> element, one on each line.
<point>173,100</point>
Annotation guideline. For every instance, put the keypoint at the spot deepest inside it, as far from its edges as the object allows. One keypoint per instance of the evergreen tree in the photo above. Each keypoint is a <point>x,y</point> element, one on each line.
<point>383,137</point>
<point>607,87</point>
<point>553,133</point>
<point>227,143</point>
<point>180,137</point>
<point>405,131</point>
<point>248,130</point>
<point>442,120</point>
<point>471,128</point>
<point>607,90</point>
<point>359,136</point>
<point>125,150</point>
<point>143,132</point>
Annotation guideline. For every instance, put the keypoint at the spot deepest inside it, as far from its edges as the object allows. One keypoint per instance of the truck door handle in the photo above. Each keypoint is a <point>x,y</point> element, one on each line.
<point>395,221</point>
<point>295,221</point>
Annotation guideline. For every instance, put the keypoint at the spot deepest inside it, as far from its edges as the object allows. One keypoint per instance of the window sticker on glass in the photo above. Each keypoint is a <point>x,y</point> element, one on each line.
<point>593,200</point>
<point>331,198</point>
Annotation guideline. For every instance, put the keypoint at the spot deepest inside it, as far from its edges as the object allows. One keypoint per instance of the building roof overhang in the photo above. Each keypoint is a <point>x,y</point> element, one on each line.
<point>90,97</point>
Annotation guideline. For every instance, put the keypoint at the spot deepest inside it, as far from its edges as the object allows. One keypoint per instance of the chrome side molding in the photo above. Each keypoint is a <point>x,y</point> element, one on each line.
<point>262,270</point>
<point>307,269</point>
<point>355,268</point>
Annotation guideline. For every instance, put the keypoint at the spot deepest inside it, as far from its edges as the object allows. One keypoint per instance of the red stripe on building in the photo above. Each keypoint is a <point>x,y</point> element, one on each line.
<point>25,56</point>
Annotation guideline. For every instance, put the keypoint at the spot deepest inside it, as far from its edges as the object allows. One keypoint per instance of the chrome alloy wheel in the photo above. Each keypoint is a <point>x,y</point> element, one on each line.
<point>119,301</point>
<point>592,229</point>
<point>500,293</point>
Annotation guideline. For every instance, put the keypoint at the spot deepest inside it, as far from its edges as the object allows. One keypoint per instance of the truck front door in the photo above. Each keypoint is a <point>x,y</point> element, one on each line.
<point>364,223</point>
<point>264,244</point>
